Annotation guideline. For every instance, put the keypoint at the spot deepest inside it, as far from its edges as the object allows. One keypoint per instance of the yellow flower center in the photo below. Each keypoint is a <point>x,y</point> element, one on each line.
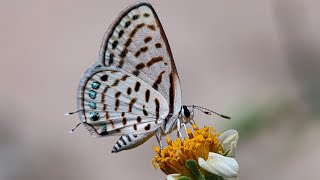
<point>172,159</point>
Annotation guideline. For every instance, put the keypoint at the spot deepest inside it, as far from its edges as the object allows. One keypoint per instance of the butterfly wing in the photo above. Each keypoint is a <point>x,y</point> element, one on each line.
<point>114,102</point>
<point>136,43</point>
<point>134,88</point>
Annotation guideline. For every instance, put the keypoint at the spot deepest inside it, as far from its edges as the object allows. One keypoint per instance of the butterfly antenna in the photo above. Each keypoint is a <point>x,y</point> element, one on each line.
<point>71,131</point>
<point>70,113</point>
<point>209,112</point>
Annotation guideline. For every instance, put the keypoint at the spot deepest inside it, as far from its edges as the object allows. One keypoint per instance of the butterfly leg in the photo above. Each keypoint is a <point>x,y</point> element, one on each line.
<point>179,128</point>
<point>159,137</point>
<point>185,128</point>
<point>192,122</point>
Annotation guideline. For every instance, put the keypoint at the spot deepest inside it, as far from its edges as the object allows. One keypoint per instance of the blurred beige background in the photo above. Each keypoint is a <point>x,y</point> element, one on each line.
<point>257,61</point>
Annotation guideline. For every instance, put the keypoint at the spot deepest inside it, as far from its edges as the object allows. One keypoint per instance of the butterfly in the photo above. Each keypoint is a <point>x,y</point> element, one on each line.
<point>134,89</point>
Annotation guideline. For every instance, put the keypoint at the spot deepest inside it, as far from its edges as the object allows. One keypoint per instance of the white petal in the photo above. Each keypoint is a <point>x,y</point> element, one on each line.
<point>229,141</point>
<point>172,176</point>
<point>220,165</point>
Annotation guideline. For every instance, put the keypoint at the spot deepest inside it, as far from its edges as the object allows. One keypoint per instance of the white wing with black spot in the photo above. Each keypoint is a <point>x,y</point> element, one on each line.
<point>114,102</point>
<point>136,43</point>
<point>134,89</point>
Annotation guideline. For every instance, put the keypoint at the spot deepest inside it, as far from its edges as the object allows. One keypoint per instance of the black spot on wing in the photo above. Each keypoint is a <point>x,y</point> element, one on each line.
<point>171,98</point>
<point>147,95</point>
<point>121,63</point>
<point>140,66</point>
<point>128,42</point>
<point>120,33</point>
<point>146,15</point>
<point>157,110</point>
<point>135,72</point>
<point>114,44</point>
<point>111,58</point>
<point>147,127</point>
<point>127,24</point>
<point>144,111</point>
<point>103,94</point>
<point>117,94</point>
<point>115,83</point>
<point>138,119</point>
<point>147,39</point>
<point>124,121</point>
<point>144,49</point>
<point>117,104</point>
<point>158,45</point>
<point>158,81</point>
<point>137,86</point>
<point>124,77</point>
<point>133,100</point>
<point>137,54</point>
<point>135,17</point>
<point>129,90</point>
<point>135,30</point>
<point>123,53</point>
<point>154,60</point>
<point>152,27</point>
<point>104,77</point>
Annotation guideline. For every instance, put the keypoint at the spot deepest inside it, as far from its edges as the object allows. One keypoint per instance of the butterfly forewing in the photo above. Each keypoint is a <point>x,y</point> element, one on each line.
<point>134,88</point>
<point>136,43</point>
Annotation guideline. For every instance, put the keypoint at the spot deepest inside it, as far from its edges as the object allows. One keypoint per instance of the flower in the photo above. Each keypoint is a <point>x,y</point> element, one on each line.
<point>229,141</point>
<point>213,151</point>
<point>220,165</point>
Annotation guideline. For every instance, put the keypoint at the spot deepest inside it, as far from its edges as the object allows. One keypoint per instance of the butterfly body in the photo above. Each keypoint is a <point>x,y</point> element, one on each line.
<point>134,89</point>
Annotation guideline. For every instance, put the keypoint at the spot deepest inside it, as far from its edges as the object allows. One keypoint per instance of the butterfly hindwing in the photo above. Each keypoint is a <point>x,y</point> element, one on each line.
<point>109,107</point>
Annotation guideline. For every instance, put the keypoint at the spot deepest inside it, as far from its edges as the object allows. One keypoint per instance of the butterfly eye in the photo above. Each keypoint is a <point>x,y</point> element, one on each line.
<point>186,111</point>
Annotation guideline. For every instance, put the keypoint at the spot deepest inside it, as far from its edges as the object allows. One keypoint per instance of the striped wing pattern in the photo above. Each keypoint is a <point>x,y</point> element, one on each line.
<point>114,102</point>
<point>134,88</point>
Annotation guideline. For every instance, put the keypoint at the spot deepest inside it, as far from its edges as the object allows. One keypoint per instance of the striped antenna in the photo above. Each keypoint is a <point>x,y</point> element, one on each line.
<point>209,112</point>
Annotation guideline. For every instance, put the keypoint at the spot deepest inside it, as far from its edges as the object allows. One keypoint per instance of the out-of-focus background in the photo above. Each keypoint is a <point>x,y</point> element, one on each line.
<point>257,61</point>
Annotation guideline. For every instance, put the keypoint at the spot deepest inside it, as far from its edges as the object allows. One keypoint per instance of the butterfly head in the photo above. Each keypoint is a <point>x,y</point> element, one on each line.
<point>187,113</point>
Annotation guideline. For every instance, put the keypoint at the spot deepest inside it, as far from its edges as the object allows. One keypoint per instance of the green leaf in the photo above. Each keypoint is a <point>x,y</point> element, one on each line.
<point>192,165</point>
